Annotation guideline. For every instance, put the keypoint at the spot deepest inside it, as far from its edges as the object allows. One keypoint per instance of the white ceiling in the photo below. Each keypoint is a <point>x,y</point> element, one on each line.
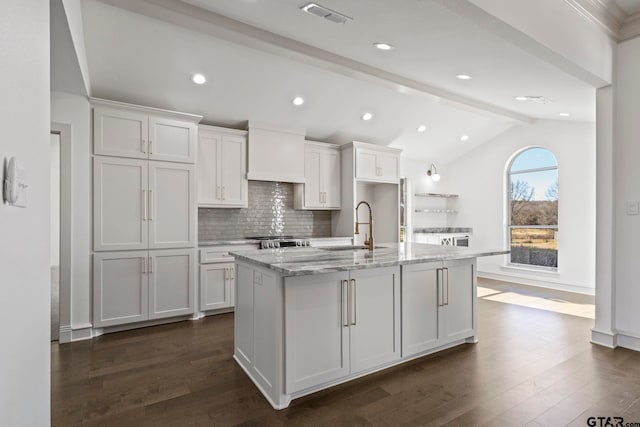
<point>134,58</point>
<point>629,6</point>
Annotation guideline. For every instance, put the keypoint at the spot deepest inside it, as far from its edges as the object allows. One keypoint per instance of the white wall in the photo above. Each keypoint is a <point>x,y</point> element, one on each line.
<point>75,111</point>
<point>24,254</point>
<point>55,200</point>
<point>627,187</point>
<point>479,178</point>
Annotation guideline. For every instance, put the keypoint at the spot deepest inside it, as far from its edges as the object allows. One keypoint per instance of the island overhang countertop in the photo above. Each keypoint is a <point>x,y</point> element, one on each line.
<point>305,261</point>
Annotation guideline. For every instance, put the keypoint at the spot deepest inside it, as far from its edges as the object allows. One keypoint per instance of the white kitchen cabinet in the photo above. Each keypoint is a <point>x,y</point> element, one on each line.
<point>172,205</point>
<point>437,304</point>
<point>222,167</point>
<point>120,288</point>
<point>120,204</point>
<point>171,283</point>
<point>321,189</point>
<point>139,204</point>
<point>134,286</point>
<point>124,130</point>
<point>376,163</point>
<point>216,286</point>
<point>339,324</point>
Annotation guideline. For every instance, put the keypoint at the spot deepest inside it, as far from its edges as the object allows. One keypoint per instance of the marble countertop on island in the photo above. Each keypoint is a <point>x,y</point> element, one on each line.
<point>306,261</point>
<point>443,230</point>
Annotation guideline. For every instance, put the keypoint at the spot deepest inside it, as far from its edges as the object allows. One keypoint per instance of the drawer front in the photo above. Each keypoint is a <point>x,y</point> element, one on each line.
<point>221,253</point>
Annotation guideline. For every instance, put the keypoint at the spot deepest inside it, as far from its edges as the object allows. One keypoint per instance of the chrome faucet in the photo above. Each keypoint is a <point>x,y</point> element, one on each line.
<point>370,241</point>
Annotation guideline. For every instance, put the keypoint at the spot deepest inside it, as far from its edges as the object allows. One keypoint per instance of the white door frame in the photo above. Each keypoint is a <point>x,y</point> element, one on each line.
<point>64,130</point>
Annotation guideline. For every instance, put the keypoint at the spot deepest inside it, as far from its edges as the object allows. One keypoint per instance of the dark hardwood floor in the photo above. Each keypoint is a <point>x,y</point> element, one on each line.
<point>531,367</point>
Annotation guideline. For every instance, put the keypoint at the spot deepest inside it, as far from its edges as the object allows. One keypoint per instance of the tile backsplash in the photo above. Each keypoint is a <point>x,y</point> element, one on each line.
<point>270,213</point>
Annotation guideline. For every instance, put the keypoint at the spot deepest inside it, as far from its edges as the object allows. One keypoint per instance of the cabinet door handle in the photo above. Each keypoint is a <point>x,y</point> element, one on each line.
<point>150,265</point>
<point>150,147</point>
<point>344,285</point>
<point>144,203</point>
<point>223,198</point>
<point>232,271</point>
<point>143,144</point>
<point>439,287</point>
<point>446,282</point>
<point>144,265</point>
<point>151,205</point>
<point>218,197</point>
<point>355,315</point>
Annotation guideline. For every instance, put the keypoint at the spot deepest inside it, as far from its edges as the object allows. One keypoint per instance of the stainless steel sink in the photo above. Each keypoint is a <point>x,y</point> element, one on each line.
<point>350,248</point>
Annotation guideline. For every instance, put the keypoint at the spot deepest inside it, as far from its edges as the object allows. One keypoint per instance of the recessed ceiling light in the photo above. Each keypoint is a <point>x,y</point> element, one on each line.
<point>564,114</point>
<point>298,100</point>
<point>421,128</point>
<point>521,98</point>
<point>383,46</point>
<point>464,137</point>
<point>463,76</point>
<point>367,116</point>
<point>198,79</point>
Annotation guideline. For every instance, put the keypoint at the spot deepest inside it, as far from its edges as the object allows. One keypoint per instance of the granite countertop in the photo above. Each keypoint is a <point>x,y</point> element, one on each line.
<point>443,230</point>
<point>306,261</point>
<point>238,242</point>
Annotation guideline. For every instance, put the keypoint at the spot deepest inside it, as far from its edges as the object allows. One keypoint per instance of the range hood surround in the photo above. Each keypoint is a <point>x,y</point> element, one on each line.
<point>275,153</point>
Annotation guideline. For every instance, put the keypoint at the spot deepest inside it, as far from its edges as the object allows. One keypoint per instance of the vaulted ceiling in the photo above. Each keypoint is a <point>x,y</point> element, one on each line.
<point>259,54</point>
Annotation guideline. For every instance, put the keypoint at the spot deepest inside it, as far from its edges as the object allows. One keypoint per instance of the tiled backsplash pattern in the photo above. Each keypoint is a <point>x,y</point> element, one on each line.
<point>270,213</point>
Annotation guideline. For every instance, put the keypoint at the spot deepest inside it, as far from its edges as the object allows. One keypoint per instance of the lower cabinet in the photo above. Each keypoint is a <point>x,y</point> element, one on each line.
<point>339,324</point>
<point>216,286</point>
<point>437,304</point>
<point>133,286</point>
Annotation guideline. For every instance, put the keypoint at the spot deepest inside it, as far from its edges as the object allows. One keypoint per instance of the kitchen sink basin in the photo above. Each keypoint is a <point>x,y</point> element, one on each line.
<point>350,248</point>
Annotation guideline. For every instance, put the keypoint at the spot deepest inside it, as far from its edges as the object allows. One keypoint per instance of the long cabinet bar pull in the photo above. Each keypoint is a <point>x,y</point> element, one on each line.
<point>218,196</point>
<point>440,286</point>
<point>233,273</point>
<point>143,143</point>
<point>144,265</point>
<point>446,281</point>
<point>150,205</point>
<point>223,198</point>
<point>150,147</point>
<point>355,314</point>
<point>144,203</point>
<point>344,285</point>
<point>150,265</point>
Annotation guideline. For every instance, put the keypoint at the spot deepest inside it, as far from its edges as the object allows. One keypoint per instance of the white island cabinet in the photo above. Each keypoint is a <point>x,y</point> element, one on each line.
<point>308,319</point>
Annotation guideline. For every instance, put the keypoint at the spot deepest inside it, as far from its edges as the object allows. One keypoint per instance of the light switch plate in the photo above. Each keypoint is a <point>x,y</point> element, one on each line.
<point>632,207</point>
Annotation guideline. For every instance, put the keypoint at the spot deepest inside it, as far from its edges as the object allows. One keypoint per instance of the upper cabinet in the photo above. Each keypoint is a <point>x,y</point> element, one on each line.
<point>276,153</point>
<point>124,130</point>
<point>321,189</point>
<point>376,163</point>
<point>222,167</point>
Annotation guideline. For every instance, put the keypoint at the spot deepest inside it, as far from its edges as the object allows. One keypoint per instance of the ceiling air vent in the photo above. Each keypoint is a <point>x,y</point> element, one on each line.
<point>326,13</point>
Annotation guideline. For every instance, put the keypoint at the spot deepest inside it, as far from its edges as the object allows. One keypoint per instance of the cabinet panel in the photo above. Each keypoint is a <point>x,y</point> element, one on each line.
<point>208,163</point>
<point>233,170</point>
<point>121,133</point>
<point>172,216</point>
<point>172,140</point>
<point>419,307</point>
<point>316,330</point>
<point>215,286</point>
<point>120,204</point>
<point>375,318</point>
<point>171,283</point>
<point>366,164</point>
<point>388,165</point>
<point>331,173</point>
<point>459,294</point>
<point>313,177</point>
<point>120,290</point>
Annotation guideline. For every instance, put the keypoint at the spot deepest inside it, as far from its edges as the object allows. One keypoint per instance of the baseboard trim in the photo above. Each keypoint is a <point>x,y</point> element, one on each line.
<point>64,334</point>
<point>628,340</point>
<point>604,338</point>
<point>548,284</point>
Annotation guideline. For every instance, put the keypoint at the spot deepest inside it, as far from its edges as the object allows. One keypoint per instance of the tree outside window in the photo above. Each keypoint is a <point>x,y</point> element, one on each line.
<point>533,208</point>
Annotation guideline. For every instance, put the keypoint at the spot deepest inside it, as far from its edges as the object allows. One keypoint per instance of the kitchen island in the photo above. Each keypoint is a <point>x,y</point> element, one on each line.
<point>310,318</point>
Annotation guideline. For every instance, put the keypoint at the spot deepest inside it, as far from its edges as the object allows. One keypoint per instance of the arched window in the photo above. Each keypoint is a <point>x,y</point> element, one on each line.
<point>533,208</point>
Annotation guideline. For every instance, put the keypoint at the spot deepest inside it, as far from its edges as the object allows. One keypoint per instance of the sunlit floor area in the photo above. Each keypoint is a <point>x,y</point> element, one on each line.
<point>540,298</point>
